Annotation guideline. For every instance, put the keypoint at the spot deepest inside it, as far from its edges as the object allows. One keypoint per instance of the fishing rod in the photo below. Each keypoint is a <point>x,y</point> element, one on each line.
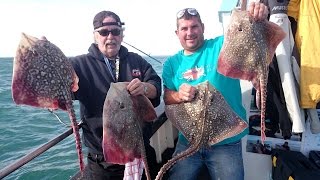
<point>161,119</point>
<point>30,156</point>
<point>143,52</point>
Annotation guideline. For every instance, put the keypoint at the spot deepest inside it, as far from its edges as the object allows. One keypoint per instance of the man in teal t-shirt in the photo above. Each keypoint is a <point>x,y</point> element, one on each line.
<point>196,63</point>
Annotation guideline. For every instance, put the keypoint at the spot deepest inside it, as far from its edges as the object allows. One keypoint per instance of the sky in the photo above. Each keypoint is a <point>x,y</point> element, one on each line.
<point>149,24</point>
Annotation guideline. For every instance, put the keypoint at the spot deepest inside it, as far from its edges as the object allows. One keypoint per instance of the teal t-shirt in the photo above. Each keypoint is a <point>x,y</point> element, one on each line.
<point>202,66</point>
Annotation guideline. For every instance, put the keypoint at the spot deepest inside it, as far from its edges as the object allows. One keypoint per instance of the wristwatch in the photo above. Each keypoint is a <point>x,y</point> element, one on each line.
<point>145,89</point>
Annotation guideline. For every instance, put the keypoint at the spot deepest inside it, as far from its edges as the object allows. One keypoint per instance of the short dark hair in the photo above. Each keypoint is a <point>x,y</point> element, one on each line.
<point>188,16</point>
<point>98,19</point>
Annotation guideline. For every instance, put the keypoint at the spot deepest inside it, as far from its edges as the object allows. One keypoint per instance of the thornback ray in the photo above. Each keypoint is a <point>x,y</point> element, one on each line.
<point>247,51</point>
<point>205,121</point>
<point>44,77</point>
<point>123,117</point>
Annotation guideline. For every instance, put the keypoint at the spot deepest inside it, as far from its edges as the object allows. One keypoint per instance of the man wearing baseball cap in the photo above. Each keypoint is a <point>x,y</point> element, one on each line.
<point>106,62</point>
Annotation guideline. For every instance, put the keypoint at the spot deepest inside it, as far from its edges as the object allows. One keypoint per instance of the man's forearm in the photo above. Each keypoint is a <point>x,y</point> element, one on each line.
<point>171,97</point>
<point>150,90</point>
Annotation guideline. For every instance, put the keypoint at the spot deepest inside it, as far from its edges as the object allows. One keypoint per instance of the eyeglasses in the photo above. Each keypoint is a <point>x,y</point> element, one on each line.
<point>191,11</point>
<point>106,32</point>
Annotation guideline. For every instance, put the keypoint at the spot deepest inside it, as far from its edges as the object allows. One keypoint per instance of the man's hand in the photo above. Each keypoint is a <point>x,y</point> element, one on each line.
<point>75,86</point>
<point>258,10</point>
<point>186,92</point>
<point>135,87</point>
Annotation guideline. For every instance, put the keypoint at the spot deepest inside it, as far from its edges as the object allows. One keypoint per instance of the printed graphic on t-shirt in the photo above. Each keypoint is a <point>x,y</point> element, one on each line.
<point>193,74</point>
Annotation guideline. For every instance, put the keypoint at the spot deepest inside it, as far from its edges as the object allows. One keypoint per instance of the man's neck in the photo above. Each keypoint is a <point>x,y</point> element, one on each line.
<point>191,51</point>
<point>186,52</point>
<point>112,58</point>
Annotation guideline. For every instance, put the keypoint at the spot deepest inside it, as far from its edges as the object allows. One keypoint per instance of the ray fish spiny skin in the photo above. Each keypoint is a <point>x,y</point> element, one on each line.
<point>44,77</point>
<point>123,117</point>
<point>205,121</point>
<point>247,51</point>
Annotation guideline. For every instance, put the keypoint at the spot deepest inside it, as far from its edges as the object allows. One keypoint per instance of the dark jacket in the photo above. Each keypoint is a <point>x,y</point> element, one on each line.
<point>94,83</point>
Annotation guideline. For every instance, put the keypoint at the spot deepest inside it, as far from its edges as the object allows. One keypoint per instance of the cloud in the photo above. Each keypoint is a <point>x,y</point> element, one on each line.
<point>149,25</point>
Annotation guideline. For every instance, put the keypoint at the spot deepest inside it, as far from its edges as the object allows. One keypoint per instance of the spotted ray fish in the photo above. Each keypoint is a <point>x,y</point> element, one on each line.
<point>123,117</point>
<point>247,52</point>
<point>205,121</point>
<point>43,77</point>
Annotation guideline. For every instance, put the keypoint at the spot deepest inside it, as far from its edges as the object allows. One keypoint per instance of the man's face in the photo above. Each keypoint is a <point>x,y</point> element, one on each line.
<point>109,44</point>
<point>190,34</point>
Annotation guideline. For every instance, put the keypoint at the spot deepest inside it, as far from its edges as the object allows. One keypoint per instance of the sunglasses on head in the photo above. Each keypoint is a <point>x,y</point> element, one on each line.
<point>191,11</point>
<point>106,32</point>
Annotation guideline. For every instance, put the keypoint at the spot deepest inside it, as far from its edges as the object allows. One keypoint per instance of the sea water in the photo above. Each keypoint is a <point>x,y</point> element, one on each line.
<point>24,128</point>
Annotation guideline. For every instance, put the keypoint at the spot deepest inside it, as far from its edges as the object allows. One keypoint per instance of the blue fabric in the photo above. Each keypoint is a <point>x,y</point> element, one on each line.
<point>223,162</point>
<point>199,67</point>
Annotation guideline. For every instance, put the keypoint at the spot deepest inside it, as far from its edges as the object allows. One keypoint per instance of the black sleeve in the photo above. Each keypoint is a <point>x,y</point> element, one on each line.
<point>74,65</point>
<point>151,76</point>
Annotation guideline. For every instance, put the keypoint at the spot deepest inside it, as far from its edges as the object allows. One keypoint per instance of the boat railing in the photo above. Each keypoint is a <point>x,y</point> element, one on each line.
<point>160,120</point>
